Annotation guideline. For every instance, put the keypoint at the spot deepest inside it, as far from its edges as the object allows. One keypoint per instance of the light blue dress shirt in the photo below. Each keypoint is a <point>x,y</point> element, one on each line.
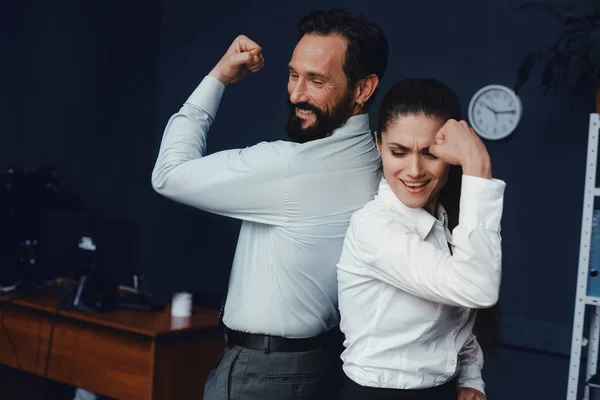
<point>295,201</point>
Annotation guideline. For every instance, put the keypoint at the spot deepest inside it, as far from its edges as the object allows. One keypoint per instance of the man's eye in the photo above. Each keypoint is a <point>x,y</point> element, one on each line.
<point>429,155</point>
<point>398,154</point>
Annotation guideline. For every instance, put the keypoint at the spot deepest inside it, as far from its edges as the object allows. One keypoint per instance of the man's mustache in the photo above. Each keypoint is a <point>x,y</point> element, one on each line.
<point>303,105</point>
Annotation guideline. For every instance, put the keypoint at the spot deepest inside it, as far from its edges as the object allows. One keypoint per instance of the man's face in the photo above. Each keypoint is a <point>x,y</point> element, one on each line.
<point>320,100</point>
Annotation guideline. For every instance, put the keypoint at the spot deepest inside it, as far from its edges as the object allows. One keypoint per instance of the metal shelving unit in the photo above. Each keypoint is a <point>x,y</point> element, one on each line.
<point>582,300</point>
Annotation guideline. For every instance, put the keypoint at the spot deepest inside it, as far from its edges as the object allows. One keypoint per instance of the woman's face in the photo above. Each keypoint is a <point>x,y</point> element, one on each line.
<point>415,176</point>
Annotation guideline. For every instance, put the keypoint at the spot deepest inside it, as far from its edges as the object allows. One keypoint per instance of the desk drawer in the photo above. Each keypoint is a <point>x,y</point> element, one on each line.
<point>109,362</point>
<point>22,339</point>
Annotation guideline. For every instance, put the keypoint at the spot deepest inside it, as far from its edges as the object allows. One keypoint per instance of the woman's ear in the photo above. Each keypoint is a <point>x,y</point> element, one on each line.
<point>377,142</point>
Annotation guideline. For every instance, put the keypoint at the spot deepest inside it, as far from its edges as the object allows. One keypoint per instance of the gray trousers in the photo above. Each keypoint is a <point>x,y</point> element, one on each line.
<point>248,374</point>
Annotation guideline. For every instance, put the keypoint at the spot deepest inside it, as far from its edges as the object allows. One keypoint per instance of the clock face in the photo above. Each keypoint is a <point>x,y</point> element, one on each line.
<point>494,112</point>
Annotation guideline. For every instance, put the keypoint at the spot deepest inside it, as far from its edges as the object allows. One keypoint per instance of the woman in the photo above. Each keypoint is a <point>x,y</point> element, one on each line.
<point>407,285</point>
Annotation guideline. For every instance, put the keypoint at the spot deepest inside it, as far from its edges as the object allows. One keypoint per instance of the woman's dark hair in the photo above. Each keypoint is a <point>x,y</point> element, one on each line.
<point>434,99</point>
<point>367,51</point>
<point>425,96</point>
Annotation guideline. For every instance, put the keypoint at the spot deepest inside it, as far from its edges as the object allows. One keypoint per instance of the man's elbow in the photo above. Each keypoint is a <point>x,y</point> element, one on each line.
<point>487,297</point>
<point>170,186</point>
<point>159,183</point>
<point>487,303</point>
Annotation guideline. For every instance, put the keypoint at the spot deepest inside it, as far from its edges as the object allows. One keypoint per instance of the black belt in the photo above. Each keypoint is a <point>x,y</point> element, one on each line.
<point>268,343</point>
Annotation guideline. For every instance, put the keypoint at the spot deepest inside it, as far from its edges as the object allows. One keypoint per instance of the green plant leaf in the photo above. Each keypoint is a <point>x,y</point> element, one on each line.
<point>595,6</point>
<point>576,22</point>
<point>575,17</point>
<point>567,38</point>
<point>556,10</point>
<point>575,70</point>
<point>594,61</point>
<point>594,20</point>
<point>554,72</point>
<point>527,65</point>
<point>574,56</point>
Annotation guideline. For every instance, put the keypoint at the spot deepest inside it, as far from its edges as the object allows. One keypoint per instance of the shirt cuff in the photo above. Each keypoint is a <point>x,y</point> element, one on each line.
<point>207,96</point>
<point>481,202</point>
<point>476,384</point>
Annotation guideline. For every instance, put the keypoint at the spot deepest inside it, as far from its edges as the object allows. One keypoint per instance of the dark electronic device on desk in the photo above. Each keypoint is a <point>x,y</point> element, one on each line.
<point>103,255</point>
<point>90,294</point>
<point>26,194</point>
<point>139,301</point>
<point>136,299</point>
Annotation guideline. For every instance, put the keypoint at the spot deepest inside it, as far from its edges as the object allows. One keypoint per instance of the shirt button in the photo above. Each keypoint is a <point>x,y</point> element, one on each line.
<point>452,363</point>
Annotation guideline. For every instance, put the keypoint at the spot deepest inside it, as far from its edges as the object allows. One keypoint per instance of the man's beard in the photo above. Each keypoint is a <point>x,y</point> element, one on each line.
<point>325,123</point>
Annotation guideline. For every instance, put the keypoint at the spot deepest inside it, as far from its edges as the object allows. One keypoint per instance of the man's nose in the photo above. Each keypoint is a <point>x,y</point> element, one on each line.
<point>298,92</point>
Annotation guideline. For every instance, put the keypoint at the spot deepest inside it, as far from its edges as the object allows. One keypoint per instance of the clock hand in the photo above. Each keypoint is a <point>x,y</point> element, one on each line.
<point>507,112</point>
<point>492,110</point>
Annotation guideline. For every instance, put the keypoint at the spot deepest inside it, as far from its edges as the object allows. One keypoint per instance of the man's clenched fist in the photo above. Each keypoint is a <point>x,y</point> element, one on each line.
<point>242,56</point>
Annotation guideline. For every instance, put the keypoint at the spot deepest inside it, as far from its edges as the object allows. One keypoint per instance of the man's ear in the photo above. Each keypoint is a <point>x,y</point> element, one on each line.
<point>365,88</point>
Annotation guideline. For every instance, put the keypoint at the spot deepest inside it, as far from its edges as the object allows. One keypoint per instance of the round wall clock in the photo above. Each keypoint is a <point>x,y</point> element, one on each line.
<point>494,112</point>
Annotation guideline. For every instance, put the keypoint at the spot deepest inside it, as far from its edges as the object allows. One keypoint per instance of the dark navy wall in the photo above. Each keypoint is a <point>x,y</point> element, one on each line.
<point>78,91</point>
<point>467,44</point>
<point>89,87</point>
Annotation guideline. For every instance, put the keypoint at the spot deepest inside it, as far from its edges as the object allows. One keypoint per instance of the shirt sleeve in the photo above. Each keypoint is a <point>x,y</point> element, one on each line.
<point>247,184</point>
<point>395,253</point>
<point>470,365</point>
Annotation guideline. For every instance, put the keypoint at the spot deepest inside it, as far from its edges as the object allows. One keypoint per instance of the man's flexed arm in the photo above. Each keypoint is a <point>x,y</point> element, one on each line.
<point>242,183</point>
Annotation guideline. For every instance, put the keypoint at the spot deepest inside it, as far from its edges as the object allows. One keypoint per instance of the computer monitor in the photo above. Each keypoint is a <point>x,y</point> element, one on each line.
<point>116,240</point>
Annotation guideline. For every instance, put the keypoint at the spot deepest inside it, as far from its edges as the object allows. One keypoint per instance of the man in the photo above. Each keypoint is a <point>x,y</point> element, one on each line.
<point>295,199</point>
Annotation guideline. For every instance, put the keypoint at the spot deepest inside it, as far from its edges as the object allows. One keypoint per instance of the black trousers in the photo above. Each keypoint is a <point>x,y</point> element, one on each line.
<point>354,391</point>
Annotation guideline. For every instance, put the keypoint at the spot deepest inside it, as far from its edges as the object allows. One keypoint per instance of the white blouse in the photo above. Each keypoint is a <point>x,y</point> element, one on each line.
<point>405,300</point>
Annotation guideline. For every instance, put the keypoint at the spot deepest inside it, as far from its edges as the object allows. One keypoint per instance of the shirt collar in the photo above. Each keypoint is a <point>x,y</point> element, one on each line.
<point>355,124</point>
<point>421,219</point>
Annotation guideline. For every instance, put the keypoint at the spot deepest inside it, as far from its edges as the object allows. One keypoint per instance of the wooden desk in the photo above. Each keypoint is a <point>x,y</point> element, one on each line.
<point>123,354</point>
